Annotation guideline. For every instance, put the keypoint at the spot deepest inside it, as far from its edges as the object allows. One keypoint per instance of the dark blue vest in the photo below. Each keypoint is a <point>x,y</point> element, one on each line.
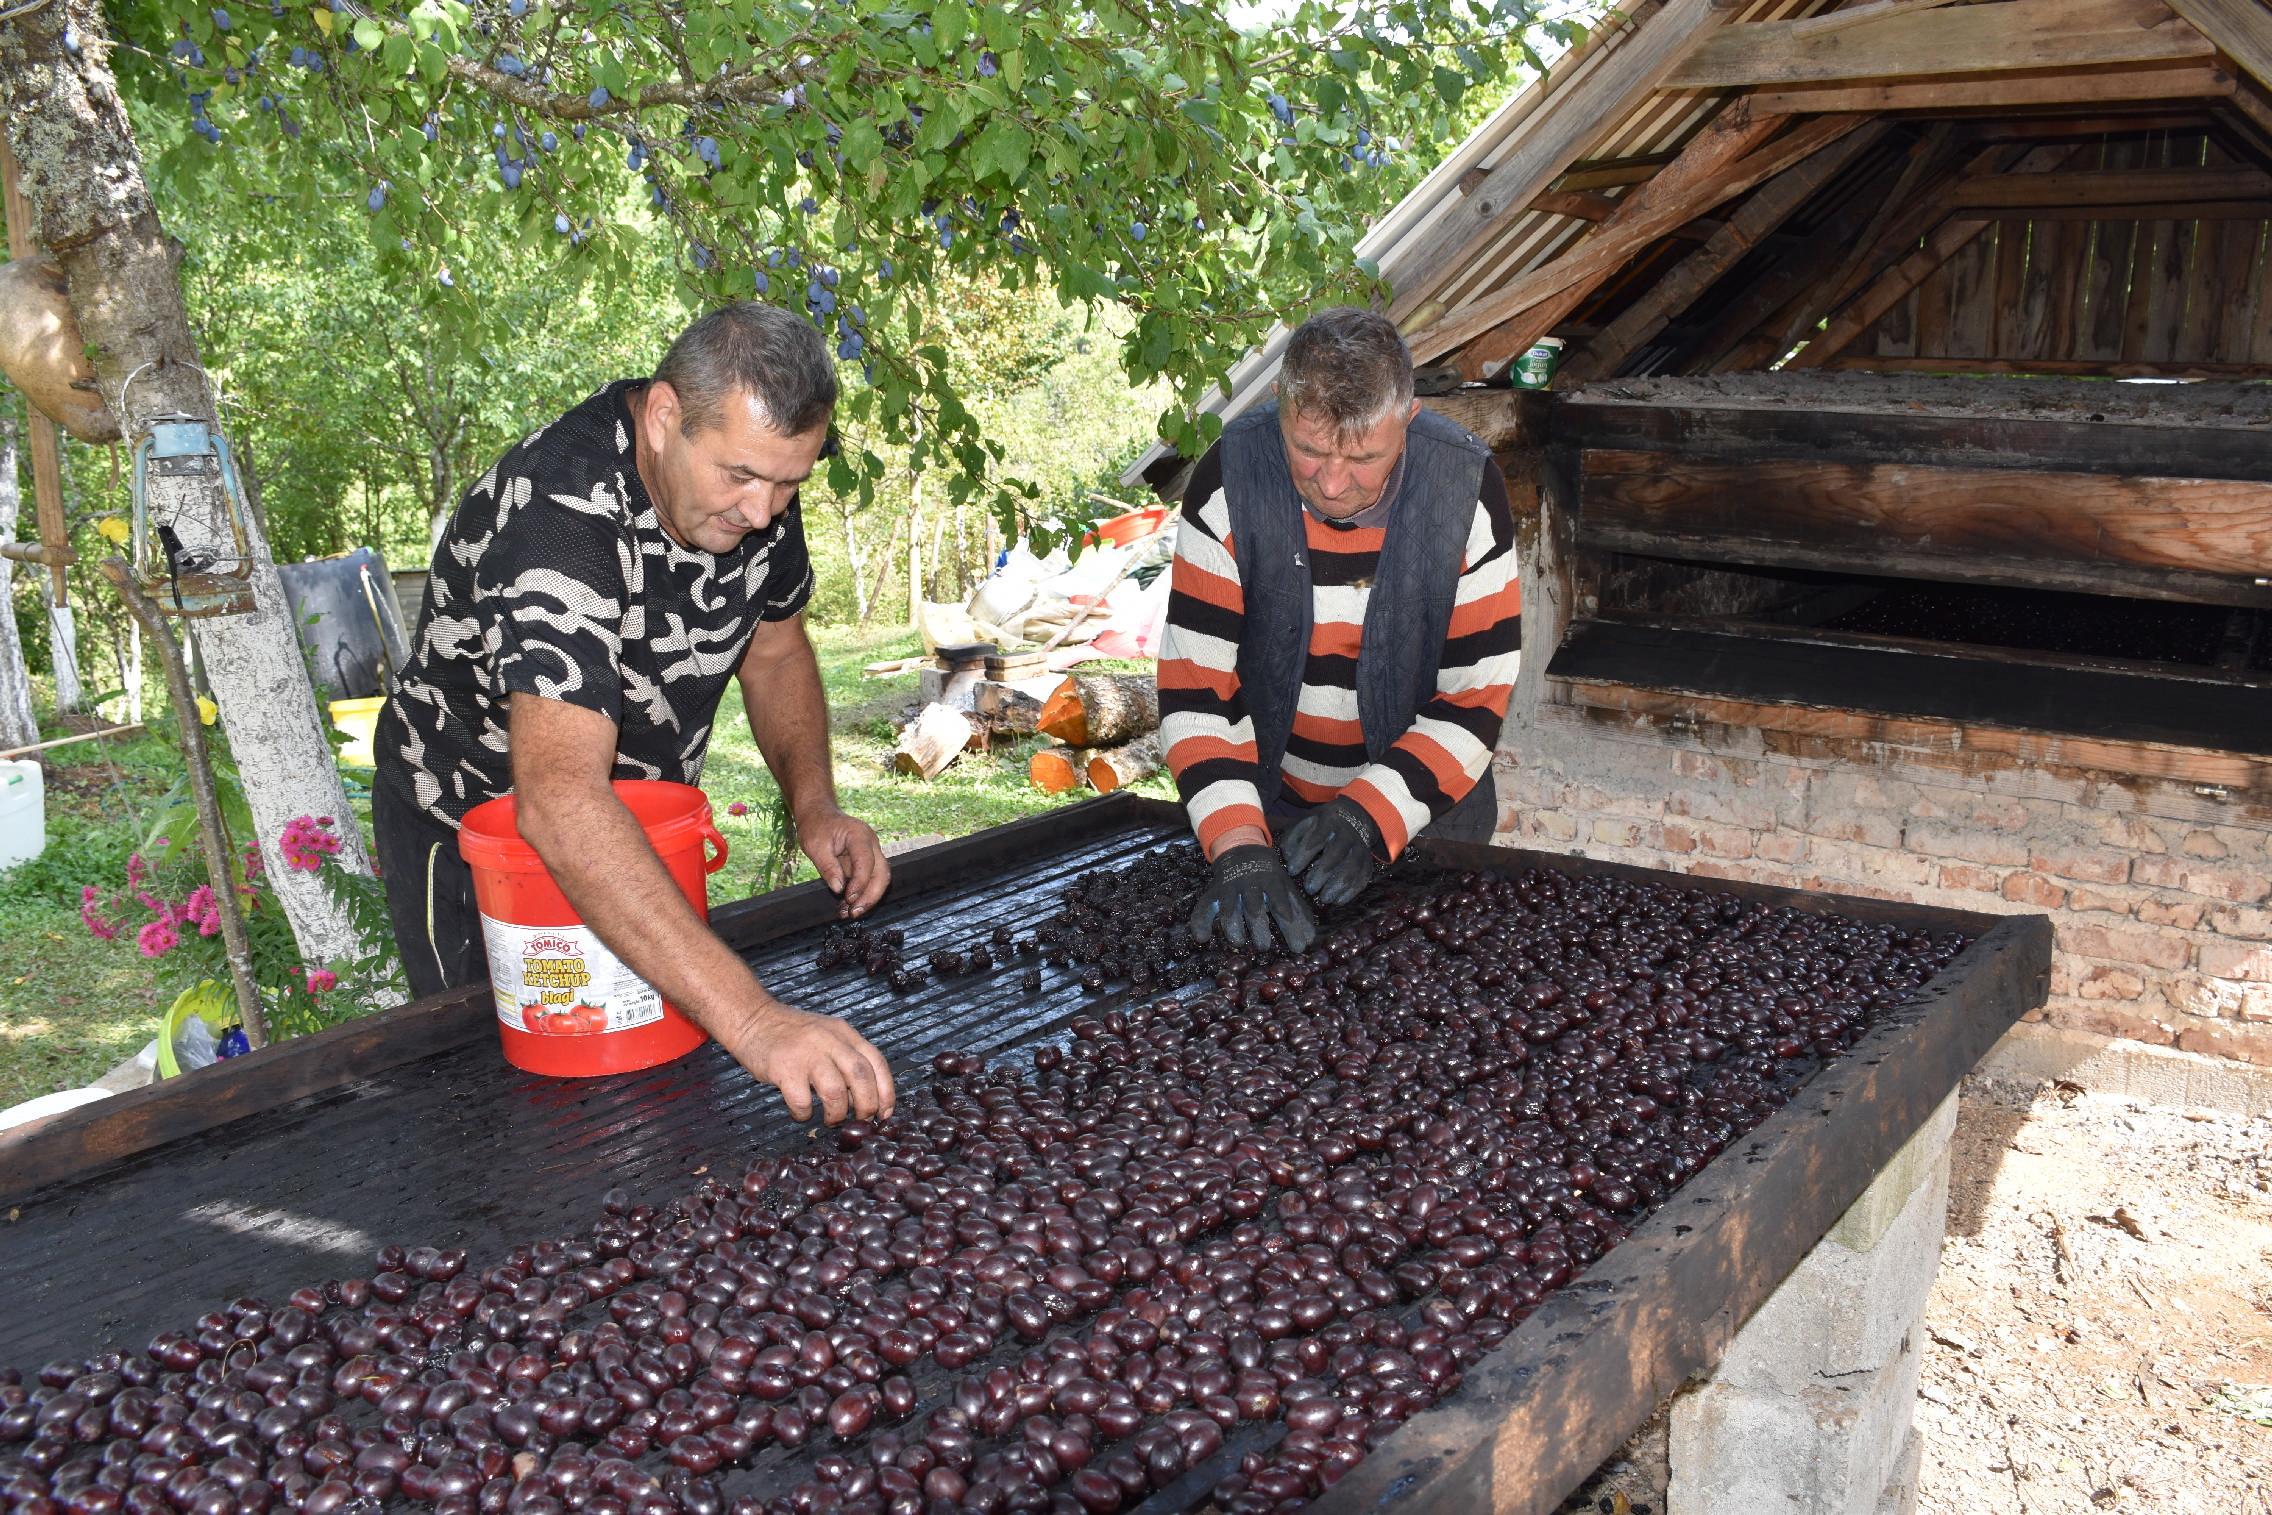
<point>1407,615</point>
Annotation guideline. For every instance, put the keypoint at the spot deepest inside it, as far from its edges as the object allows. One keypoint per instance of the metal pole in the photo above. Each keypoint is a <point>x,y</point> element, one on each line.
<point>212,836</point>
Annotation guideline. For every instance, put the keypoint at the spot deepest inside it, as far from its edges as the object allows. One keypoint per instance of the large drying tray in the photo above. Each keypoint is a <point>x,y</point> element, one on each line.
<point>296,1163</point>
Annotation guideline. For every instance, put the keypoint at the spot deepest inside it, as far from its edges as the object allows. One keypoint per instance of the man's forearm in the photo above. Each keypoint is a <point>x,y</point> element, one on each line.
<point>788,715</point>
<point>602,860</point>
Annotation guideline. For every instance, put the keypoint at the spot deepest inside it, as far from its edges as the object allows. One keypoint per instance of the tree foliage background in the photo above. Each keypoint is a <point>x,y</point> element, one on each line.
<point>1034,234</point>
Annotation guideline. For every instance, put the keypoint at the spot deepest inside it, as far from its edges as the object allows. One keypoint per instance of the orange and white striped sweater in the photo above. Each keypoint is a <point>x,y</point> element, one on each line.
<point>1203,715</point>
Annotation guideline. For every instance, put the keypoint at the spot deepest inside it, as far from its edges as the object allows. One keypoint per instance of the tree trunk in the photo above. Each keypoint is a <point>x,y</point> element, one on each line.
<point>82,173</point>
<point>1110,769</point>
<point>19,724</point>
<point>935,738</point>
<point>1058,769</point>
<point>63,654</point>
<point>1102,709</point>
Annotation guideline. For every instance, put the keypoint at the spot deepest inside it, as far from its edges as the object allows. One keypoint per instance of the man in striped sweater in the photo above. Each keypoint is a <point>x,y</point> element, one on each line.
<point>1341,638</point>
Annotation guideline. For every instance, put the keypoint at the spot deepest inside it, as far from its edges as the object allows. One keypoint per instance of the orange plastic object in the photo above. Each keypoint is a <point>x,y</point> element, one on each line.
<point>566,1005</point>
<point>1132,527</point>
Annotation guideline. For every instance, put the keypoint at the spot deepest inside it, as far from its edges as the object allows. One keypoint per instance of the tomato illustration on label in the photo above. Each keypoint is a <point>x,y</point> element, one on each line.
<point>562,981</point>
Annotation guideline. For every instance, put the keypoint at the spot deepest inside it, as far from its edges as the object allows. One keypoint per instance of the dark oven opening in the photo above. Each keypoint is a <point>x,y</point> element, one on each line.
<point>2054,660</point>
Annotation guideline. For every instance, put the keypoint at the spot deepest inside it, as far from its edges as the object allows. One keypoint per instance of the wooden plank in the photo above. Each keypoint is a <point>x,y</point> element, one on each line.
<point>2260,339</point>
<point>2044,427</point>
<point>2241,254</point>
<point>2065,245</point>
<point>42,439</point>
<point>2016,34</point>
<point>2240,28</point>
<point>1709,171</point>
<point>2171,538</point>
<point>1896,331</point>
<point>2122,187</point>
<point>2007,317</point>
<point>2077,87</point>
<point>2091,368</point>
<point>1856,15</point>
<point>2237,772</point>
<point>2145,262</point>
<point>1758,217</point>
<point>1932,298</point>
<point>1610,173</point>
<point>2165,310</point>
<point>1623,63</point>
<point>2205,282</point>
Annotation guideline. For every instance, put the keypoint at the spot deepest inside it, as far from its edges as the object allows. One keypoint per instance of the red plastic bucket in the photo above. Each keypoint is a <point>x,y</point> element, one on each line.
<point>566,1006</point>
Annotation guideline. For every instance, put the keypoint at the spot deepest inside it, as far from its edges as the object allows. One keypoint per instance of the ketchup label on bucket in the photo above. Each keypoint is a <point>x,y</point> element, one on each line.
<point>559,981</point>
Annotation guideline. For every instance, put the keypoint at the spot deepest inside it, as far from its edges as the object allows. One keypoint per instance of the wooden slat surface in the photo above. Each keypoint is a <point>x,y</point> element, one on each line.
<point>2169,537</point>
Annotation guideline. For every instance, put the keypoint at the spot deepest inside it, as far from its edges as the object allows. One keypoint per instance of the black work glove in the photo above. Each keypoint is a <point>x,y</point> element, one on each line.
<point>1247,893</point>
<point>1331,851</point>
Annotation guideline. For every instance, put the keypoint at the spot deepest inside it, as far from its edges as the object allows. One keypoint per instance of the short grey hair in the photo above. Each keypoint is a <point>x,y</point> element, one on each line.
<point>1349,366</point>
<point>759,350</point>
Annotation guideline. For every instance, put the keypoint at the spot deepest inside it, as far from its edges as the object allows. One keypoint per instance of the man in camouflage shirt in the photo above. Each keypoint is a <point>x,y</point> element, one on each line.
<point>587,603</point>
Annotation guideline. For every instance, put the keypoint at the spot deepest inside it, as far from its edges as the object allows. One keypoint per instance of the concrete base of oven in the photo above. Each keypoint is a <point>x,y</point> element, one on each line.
<point>1809,1410</point>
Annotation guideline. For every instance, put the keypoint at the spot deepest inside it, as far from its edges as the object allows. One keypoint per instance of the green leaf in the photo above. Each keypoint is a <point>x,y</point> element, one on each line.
<point>369,34</point>
<point>1002,150</point>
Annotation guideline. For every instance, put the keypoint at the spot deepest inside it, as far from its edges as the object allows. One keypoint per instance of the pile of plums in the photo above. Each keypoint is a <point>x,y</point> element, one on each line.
<point>1247,1232</point>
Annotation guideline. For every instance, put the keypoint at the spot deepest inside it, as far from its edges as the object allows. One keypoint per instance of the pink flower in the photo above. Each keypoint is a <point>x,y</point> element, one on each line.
<point>136,871</point>
<point>321,979</point>
<point>306,842</point>
<point>157,939</point>
<point>737,808</point>
<point>254,864</point>
<point>89,898</point>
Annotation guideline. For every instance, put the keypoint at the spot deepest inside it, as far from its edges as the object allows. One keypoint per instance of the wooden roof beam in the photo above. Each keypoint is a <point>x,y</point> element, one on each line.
<point>2196,80</point>
<point>1758,217</point>
<point>2000,38</point>
<point>1584,207</point>
<point>2241,29</point>
<point>1560,129</point>
<point>1729,157</point>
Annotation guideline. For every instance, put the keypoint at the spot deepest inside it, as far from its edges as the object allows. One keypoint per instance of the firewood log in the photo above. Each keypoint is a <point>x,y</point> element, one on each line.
<point>932,740</point>
<point>1102,710</point>
<point>1058,769</point>
<point>1125,764</point>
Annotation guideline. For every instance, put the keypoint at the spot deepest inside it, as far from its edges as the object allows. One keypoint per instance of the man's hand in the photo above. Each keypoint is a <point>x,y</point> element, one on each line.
<point>849,857</point>
<point>813,1058</point>
<point>1247,893</point>
<point>1331,851</point>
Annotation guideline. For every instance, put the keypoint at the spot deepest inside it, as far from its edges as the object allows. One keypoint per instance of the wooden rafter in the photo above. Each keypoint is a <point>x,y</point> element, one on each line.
<point>2029,91</point>
<point>2001,38</point>
<point>1729,156</point>
<point>1796,270</point>
<point>1902,223</point>
<point>2241,29</point>
<point>1757,218</point>
<point>1556,133</point>
<point>1894,285</point>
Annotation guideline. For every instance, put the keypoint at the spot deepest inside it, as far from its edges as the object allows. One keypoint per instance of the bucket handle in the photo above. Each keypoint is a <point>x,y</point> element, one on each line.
<point>712,838</point>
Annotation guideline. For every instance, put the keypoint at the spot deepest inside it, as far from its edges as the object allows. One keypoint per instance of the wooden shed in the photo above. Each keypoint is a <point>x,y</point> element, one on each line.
<point>1848,563</point>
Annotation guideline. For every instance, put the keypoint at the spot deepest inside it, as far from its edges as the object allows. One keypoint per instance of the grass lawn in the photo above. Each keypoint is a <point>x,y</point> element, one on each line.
<point>72,1006</point>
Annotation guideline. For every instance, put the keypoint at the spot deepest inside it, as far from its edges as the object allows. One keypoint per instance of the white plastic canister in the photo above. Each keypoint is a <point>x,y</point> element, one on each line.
<point>23,812</point>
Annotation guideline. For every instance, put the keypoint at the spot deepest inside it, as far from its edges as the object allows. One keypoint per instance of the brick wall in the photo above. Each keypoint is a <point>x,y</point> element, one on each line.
<point>2161,894</point>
